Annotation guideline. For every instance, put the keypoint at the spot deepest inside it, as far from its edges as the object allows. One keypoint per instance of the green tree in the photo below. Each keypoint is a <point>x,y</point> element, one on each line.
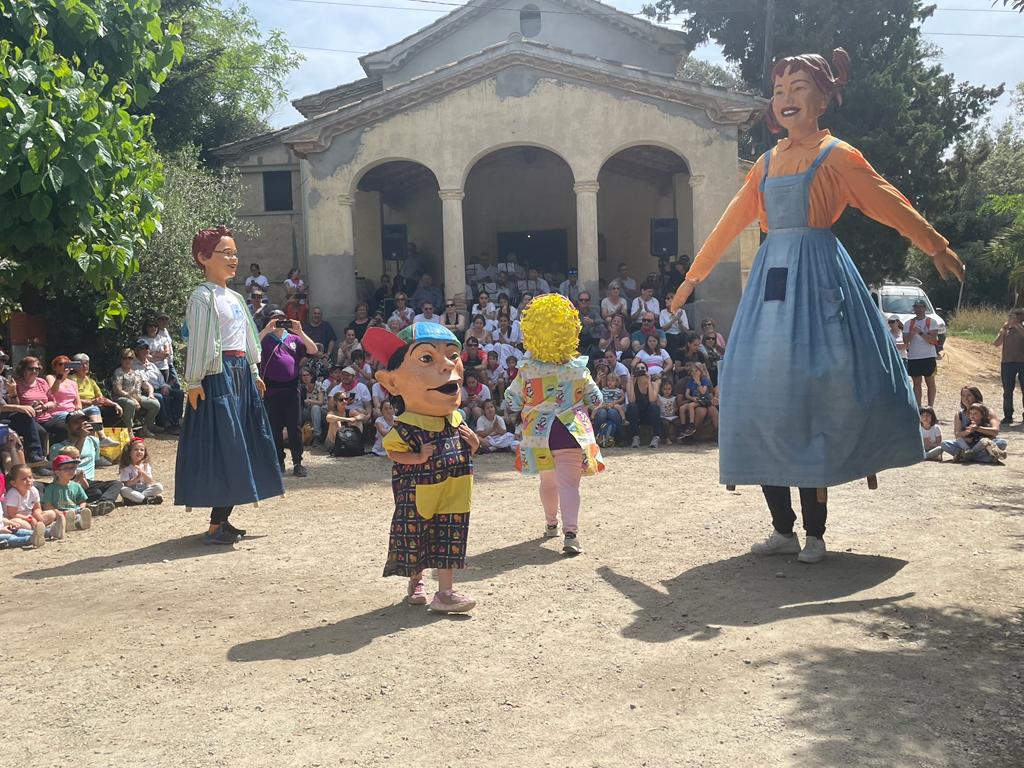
<point>701,71</point>
<point>900,108</point>
<point>78,175</point>
<point>230,78</point>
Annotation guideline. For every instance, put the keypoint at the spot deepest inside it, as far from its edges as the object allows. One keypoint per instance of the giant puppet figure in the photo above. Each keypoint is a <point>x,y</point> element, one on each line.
<point>554,391</point>
<point>432,450</point>
<point>226,454</point>
<point>813,391</point>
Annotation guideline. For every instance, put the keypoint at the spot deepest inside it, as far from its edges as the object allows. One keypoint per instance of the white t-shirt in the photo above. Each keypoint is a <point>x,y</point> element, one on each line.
<point>483,424</point>
<point>421,318</point>
<point>260,281</point>
<point>295,286</point>
<point>361,392</point>
<point>609,307</point>
<point>24,505</point>
<point>931,436</point>
<point>679,324</point>
<point>655,361</point>
<point>651,305</point>
<point>377,392</point>
<point>232,321</point>
<point>918,348</point>
<point>130,475</point>
<point>484,394</point>
<point>897,337</point>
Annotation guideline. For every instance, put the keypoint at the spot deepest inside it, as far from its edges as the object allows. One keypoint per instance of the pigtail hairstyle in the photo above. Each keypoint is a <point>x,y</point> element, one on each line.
<point>829,80</point>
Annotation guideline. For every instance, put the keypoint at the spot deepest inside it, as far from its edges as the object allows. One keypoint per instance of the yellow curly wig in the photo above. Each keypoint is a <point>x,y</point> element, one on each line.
<point>551,329</point>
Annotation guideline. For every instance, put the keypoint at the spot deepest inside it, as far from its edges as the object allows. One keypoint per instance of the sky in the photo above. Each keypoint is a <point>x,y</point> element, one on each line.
<point>987,47</point>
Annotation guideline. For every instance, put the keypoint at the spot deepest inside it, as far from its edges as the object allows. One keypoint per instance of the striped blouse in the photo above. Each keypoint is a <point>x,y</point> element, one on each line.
<point>203,356</point>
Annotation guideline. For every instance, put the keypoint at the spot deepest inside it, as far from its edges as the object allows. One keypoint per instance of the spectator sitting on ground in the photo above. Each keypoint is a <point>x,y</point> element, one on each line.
<point>427,314</point>
<point>978,441</point>
<point>615,337</point>
<point>505,307</point>
<point>313,401</point>
<point>296,293</point>
<point>692,351</point>
<point>136,475</point>
<point>95,404</point>
<point>608,417</point>
<point>133,392</point>
<point>332,381</point>
<point>614,303</point>
<point>492,431</point>
<point>160,348</point>
<point>382,424</point>
<point>708,344</point>
<point>256,281</point>
<point>364,371</point>
<point>426,293</point>
<point>474,392</point>
<point>931,435</point>
<point>22,418</point>
<point>668,405</point>
<point>570,287</point>
<point>643,407</point>
<point>707,326</point>
<point>484,308</point>
<point>405,314</point>
<point>359,394</point>
<point>643,305</point>
<point>648,327</point>
<point>171,399</point>
<point>508,332</point>
<point>101,495</point>
<point>493,374</point>
<point>348,345</point>
<point>617,366</point>
<point>700,392</point>
<point>322,332</point>
<point>654,357</point>
<point>343,412</point>
<point>592,324</point>
<point>378,396</point>
<point>453,319</point>
<point>524,302</point>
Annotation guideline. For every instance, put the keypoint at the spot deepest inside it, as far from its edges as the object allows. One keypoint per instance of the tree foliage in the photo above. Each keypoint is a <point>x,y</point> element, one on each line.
<point>701,71</point>
<point>78,175</point>
<point>900,108</point>
<point>231,77</point>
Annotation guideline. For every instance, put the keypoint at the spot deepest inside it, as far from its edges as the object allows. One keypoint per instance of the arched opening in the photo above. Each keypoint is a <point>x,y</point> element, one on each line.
<point>644,212</point>
<point>519,214</point>
<point>397,223</point>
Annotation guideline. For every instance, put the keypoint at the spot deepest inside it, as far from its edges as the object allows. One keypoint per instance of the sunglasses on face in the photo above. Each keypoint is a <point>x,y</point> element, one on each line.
<point>450,304</point>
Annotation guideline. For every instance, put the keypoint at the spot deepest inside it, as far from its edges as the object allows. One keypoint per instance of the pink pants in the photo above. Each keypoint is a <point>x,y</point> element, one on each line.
<point>560,488</point>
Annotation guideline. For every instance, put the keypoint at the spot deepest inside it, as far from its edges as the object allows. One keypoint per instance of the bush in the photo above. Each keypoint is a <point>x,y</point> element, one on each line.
<point>980,323</point>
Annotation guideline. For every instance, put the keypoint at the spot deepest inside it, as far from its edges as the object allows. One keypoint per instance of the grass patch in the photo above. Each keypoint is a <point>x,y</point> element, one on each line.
<point>980,323</point>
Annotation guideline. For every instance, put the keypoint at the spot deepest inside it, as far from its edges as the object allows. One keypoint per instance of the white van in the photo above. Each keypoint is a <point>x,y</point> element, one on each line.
<point>898,299</point>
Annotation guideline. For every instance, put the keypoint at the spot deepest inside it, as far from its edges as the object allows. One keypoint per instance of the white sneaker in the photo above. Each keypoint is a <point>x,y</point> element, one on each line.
<point>38,534</point>
<point>550,531</point>
<point>813,551</point>
<point>83,520</point>
<point>56,529</point>
<point>106,442</point>
<point>655,442</point>
<point>572,544</point>
<point>636,441</point>
<point>777,544</point>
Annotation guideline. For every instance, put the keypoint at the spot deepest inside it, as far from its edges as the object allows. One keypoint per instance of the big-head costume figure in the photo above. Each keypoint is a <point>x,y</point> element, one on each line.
<point>432,450</point>
<point>554,391</point>
<point>226,453</point>
<point>813,390</point>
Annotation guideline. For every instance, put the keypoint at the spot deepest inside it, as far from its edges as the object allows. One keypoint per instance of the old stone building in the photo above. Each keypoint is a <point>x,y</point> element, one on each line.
<point>549,134</point>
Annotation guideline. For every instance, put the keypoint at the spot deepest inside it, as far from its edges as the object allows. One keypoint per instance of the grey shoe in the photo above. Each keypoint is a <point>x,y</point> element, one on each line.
<point>813,551</point>
<point>655,442</point>
<point>636,441</point>
<point>83,520</point>
<point>56,529</point>
<point>103,461</point>
<point>778,544</point>
<point>572,545</point>
<point>38,534</point>
<point>550,531</point>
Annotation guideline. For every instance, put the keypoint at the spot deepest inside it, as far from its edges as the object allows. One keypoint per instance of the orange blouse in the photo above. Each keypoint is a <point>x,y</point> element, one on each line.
<point>844,178</point>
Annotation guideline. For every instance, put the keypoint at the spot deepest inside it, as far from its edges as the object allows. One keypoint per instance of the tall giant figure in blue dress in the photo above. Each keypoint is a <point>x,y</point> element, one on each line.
<point>813,391</point>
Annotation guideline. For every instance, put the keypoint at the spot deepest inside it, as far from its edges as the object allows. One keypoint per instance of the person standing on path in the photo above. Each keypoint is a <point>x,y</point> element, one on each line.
<point>921,337</point>
<point>283,346</point>
<point>813,390</point>
<point>1011,340</point>
<point>226,454</point>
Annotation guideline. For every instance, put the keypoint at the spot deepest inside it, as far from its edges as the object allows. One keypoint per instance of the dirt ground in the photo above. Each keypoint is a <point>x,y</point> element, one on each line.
<point>665,644</point>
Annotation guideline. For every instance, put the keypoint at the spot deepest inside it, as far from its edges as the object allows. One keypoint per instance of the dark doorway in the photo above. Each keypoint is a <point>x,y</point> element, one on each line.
<point>547,250</point>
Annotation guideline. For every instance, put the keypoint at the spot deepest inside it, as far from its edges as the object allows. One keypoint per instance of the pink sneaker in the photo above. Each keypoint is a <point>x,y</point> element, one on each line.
<point>451,602</point>
<point>417,593</point>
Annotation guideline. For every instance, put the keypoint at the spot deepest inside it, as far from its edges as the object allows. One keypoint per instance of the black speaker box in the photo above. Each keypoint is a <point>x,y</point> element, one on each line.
<point>664,237</point>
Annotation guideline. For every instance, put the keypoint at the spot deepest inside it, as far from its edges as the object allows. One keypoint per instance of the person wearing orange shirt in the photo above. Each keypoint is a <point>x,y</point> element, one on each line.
<point>813,390</point>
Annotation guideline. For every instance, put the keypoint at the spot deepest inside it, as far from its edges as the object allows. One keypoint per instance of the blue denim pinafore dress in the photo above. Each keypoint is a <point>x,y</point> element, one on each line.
<point>813,391</point>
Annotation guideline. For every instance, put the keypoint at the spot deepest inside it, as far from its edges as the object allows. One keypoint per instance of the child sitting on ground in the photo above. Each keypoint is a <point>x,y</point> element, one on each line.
<point>494,375</point>
<point>609,417</point>
<point>383,425</point>
<point>491,429</point>
<point>22,524</point>
<point>65,497</point>
<point>931,435</point>
<point>474,393</point>
<point>137,475</point>
<point>668,405</point>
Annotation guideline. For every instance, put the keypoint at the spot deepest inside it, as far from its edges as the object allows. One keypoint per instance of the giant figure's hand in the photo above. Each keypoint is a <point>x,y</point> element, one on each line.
<point>261,386</point>
<point>682,295</point>
<point>948,264</point>
<point>195,394</point>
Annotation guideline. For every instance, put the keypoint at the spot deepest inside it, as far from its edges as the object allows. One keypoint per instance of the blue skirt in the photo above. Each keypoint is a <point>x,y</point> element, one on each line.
<point>226,454</point>
<point>813,391</point>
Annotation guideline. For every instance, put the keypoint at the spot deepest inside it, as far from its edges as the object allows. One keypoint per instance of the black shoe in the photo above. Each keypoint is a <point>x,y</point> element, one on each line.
<point>155,500</point>
<point>232,530</point>
<point>174,429</point>
<point>35,459</point>
<point>299,471</point>
<point>1007,420</point>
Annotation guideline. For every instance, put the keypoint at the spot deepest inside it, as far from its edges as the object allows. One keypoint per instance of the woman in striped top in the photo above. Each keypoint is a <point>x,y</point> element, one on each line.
<point>214,467</point>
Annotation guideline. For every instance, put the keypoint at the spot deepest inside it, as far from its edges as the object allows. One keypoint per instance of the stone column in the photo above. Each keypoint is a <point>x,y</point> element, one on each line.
<point>719,295</point>
<point>454,248</point>
<point>586,236</point>
<point>330,239</point>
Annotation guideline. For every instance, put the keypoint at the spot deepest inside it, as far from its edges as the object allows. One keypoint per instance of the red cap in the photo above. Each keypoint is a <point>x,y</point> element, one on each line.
<point>381,344</point>
<point>62,460</point>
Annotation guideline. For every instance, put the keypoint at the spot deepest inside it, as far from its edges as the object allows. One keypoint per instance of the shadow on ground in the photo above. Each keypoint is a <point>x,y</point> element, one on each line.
<point>751,591</point>
<point>181,548</point>
<point>926,687</point>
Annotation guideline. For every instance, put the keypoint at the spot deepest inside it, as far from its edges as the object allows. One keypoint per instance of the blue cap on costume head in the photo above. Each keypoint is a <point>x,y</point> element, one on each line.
<point>428,332</point>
